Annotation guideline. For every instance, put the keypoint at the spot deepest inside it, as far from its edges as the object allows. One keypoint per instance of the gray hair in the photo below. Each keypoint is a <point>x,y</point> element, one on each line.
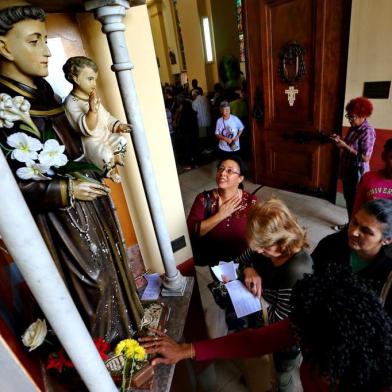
<point>381,209</point>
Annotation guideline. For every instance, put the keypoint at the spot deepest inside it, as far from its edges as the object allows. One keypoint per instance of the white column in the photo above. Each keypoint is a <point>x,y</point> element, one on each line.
<point>111,17</point>
<point>28,250</point>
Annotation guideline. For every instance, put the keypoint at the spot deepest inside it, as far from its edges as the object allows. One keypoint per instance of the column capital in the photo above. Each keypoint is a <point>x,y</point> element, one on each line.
<point>91,5</point>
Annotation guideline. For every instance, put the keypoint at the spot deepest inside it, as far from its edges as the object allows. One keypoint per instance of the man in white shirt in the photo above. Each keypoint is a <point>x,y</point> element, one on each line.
<point>201,106</point>
<point>228,130</point>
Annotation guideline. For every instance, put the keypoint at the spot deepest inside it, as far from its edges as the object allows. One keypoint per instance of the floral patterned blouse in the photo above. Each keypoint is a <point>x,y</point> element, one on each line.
<point>227,239</point>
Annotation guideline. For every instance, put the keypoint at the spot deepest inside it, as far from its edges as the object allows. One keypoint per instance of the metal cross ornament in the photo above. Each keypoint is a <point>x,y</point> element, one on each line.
<point>291,93</point>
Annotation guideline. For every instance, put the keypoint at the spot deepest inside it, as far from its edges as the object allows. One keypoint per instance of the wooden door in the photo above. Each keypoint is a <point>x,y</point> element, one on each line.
<point>298,45</point>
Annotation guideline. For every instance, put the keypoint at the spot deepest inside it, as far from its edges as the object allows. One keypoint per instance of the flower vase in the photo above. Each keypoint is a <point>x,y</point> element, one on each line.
<point>141,379</point>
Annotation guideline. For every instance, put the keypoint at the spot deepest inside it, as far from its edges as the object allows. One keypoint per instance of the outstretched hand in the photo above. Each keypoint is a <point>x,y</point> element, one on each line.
<point>88,191</point>
<point>162,344</point>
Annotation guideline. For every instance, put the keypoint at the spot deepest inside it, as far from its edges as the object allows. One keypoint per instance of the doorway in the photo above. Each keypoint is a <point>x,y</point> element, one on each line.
<point>296,69</point>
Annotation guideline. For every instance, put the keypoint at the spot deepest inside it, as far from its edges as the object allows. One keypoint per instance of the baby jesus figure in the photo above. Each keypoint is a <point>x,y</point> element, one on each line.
<point>103,145</point>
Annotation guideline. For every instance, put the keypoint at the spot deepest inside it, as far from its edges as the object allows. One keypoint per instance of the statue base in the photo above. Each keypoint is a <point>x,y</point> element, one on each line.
<point>174,287</point>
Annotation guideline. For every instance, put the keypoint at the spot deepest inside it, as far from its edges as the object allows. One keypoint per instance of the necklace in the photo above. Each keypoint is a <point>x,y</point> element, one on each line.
<point>83,231</point>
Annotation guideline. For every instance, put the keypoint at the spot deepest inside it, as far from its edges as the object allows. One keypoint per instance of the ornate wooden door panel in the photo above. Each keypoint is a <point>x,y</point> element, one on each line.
<point>297,55</point>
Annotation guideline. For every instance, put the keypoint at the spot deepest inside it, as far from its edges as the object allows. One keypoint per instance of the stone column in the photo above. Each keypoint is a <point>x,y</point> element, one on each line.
<point>30,254</point>
<point>111,13</point>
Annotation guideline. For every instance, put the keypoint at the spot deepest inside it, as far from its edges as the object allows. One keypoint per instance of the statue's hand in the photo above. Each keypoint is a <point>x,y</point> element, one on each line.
<point>124,128</point>
<point>94,101</point>
<point>87,191</point>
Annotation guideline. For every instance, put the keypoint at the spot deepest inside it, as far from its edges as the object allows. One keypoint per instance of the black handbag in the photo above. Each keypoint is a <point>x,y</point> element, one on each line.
<point>200,254</point>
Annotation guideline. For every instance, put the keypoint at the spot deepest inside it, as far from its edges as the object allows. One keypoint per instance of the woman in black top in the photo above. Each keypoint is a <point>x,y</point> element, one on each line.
<point>275,261</point>
<point>365,245</point>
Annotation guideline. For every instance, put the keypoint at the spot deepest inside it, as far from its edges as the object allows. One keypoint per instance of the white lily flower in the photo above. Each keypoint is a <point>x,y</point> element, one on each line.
<point>52,154</point>
<point>33,171</point>
<point>15,109</point>
<point>25,147</point>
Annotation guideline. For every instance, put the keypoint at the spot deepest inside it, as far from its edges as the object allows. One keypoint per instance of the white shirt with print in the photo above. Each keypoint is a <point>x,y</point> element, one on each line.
<point>229,128</point>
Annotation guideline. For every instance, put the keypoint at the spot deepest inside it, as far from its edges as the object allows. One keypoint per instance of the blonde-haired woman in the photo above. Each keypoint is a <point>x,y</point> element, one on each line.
<point>275,261</point>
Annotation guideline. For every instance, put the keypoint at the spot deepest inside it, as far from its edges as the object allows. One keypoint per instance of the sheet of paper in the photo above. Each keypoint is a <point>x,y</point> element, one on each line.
<point>236,265</point>
<point>153,288</point>
<point>226,269</point>
<point>243,300</point>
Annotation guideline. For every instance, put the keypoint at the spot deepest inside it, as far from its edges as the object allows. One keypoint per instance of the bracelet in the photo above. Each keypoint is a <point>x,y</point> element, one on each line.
<point>192,351</point>
<point>71,194</point>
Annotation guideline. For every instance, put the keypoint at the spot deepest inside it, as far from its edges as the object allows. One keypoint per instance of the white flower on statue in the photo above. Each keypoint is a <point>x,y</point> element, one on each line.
<point>25,147</point>
<point>52,154</point>
<point>15,109</point>
<point>35,334</point>
<point>33,171</point>
<point>21,103</point>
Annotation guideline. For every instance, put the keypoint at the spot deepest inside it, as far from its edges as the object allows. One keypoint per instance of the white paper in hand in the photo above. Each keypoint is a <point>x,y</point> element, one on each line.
<point>243,300</point>
<point>153,288</point>
<point>225,269</point>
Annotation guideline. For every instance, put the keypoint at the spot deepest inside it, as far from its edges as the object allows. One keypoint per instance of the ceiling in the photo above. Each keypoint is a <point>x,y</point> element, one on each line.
<point>69,5</point>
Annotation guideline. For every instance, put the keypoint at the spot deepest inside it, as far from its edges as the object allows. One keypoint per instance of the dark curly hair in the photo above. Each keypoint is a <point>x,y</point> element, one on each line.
<point>343,330</point>
<point>74,66</point>
<point>360,106</point>
<point>10,16</point>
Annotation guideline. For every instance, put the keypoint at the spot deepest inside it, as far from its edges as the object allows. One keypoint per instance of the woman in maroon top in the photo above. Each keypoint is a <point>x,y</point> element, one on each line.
<point>344,333</point>
<point>217,220</point>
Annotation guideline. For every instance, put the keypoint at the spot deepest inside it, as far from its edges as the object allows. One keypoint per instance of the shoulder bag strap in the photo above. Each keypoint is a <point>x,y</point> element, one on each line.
<point>207,204</point>
<point>385,289</point>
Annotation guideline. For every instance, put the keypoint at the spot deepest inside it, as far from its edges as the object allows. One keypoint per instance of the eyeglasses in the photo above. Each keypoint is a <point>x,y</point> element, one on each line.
<point>228,170</point>
<point>351,118</point>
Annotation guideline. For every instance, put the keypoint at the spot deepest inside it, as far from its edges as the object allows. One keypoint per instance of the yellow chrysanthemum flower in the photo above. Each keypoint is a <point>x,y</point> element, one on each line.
<point>131,349</point>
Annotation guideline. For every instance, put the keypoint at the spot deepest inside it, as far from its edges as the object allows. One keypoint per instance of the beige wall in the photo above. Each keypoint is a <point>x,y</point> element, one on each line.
<point>160,40</point>
<point>225,28</point>
<point>370,54</point>
<point>171,35</point>
<point>192,36</point>
<point>146,77</point>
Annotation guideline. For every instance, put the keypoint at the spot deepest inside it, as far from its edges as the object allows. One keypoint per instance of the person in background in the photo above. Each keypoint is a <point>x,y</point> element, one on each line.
<point>356,149</point>
<point>228,131</point>
<point>344,334</point>
<point>376,184</point>
<point>195,86</point>
<point>169,118</point>
<point>239,106</point>
<point>365,246</point>
<point>185,126</point>
<point>201,106</point>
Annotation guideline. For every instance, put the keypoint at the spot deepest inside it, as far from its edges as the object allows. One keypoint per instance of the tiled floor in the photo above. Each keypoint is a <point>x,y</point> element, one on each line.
<point>316,215</point>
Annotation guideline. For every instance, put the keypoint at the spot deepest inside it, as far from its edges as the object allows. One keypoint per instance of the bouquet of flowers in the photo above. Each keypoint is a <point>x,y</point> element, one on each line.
<point>40,160</point>
<point>132,358</point>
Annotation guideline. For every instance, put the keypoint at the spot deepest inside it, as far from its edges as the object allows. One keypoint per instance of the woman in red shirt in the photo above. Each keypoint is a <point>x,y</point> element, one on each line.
<point>344,334</point>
